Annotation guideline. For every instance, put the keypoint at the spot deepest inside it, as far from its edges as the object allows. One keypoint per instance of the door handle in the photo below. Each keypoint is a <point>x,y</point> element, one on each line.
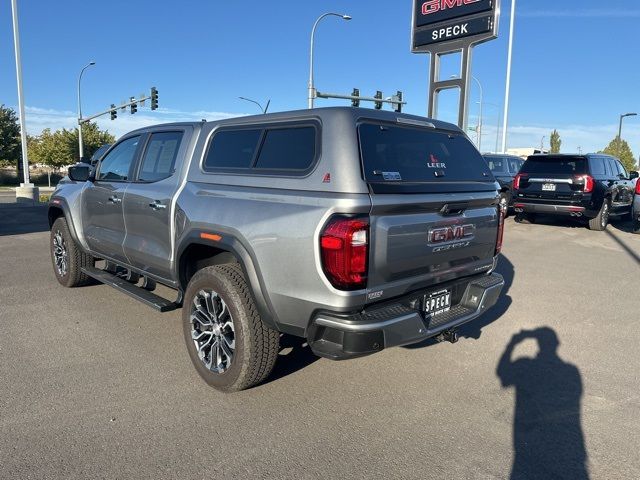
<point>157,205</point>
<point>115,200</point>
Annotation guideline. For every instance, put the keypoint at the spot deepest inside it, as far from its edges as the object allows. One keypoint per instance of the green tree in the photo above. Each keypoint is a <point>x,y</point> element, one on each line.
<point>620,148</point>
<point>60,148</point>
<point>9,137</point>
<point>555,141</point>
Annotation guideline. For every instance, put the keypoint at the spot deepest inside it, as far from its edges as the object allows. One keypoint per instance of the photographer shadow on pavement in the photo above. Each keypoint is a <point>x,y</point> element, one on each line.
<point>548,441</point>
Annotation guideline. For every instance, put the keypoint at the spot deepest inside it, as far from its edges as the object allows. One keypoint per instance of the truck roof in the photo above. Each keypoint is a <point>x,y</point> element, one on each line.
<point>324,114</point>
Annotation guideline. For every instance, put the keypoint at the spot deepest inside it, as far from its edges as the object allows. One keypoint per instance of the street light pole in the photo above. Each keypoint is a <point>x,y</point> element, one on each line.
<point>499,108</point>
<point>23,126</point>
<point>80,110</point>
<point>505,117</point>
<point>311,87</point>
<point>620,131</point>
<point>479,133</point>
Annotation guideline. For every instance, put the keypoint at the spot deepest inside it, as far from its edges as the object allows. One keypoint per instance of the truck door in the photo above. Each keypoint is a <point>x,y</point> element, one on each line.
<point>102,200</point>
<point>148,205</point>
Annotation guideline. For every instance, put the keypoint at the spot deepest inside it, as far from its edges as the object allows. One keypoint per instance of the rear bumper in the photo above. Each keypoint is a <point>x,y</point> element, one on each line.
<point>401,322</point>
<point>575,210</point>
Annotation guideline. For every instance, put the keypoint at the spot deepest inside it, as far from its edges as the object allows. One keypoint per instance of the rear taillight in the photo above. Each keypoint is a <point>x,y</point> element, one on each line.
<point>344,248</point>
<point>638,187</point>
<point>588,183</point>
<point>518,179</point>
<point>502,212</point>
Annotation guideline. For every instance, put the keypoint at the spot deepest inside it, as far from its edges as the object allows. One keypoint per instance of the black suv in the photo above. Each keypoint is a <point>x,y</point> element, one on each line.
<point>504,168</point>
<point>592,186</point>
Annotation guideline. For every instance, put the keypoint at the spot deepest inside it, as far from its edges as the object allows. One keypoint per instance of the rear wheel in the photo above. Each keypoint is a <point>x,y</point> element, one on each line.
<point>505,199</point>
<point>67,256</point>
<point>525,218</point>
<point>600,221</point>
<point>228,343</point>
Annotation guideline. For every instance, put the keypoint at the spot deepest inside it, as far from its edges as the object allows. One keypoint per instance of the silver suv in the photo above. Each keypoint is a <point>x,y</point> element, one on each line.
<point>355,229</point>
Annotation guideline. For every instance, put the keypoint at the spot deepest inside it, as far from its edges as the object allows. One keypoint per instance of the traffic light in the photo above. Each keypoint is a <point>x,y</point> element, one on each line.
<point>397,99</point>
<point>113,112</point>
<point>134,106</point>
<point>378,95</point>
<point>355,102</point>
<point>154,98</point>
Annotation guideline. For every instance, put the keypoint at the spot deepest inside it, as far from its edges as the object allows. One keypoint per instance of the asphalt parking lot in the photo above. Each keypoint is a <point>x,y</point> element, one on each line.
<point>96,385</point>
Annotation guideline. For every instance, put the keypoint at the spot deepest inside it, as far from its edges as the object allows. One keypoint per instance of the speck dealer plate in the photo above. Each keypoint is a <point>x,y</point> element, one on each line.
<point>437,302</point>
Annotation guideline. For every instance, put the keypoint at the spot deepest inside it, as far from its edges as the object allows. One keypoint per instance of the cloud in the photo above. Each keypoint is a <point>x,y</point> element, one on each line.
<point>37,119</point>
<point>575,137</point>
<point>588,13</point>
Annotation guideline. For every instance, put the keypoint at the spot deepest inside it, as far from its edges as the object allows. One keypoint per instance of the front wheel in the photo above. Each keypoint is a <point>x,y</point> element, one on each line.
<point>67,256</point>
<point>229,345</point>
<point>600,221</point>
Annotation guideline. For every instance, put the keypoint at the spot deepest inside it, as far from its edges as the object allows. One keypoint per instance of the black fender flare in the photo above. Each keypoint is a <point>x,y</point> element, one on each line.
<point>230,243</point>
<point>59,204</point>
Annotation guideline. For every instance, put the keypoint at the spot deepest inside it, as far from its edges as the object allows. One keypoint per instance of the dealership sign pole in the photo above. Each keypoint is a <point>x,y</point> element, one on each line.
<point>443,27</point>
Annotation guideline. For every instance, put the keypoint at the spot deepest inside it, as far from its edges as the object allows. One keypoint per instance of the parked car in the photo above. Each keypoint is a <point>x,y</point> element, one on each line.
<point>635,210</point>
<point>504,168</point>
<point>593,186</point>
<point>355,229</point>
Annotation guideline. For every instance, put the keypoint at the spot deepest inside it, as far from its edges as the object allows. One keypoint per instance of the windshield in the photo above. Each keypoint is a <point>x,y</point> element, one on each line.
<point>409,154</point>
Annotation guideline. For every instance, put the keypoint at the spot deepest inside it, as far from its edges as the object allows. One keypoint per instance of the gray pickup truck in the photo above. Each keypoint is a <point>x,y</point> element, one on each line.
<point>355,229</point>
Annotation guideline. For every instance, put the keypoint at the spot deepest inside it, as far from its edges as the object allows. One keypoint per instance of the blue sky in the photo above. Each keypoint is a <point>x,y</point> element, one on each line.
<point>575,67</point>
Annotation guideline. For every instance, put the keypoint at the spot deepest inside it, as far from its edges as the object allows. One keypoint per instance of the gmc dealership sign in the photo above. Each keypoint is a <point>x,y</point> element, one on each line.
<point>439,21</point>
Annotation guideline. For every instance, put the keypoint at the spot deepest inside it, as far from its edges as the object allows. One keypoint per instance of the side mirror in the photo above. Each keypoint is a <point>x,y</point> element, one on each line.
<point>79,172</point>
<point>633,174</point>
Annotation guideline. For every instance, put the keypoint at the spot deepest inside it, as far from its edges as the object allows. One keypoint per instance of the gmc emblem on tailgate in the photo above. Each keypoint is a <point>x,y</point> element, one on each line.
<point>450,234</point>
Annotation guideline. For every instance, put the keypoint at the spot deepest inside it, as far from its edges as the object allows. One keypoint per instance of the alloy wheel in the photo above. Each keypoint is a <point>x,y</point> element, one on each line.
<point>60,254</point>
<point>212,331</point>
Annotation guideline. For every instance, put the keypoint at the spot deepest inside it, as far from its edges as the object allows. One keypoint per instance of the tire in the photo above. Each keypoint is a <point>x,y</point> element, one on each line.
<point>67,257</point>
<point>635,226</point>
<point>505,200</point>
<point>599,222</point>
<point>246,349</point>
<point>525,218</point>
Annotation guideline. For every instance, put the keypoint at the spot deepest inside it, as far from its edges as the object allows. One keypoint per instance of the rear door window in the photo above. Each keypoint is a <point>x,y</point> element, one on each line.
<point>621,170</point>
<point>401,154</point>
<point>160,156</point>
<point>550,165</point>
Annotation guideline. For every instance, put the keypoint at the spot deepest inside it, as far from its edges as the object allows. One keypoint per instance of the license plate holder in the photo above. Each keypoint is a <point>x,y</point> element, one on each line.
<point>436,303</point>
<point>548,187</point>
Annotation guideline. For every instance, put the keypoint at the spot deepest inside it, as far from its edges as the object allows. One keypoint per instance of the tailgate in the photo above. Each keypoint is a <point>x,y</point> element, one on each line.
<point>433,207</point>
<point>418,241</point>
<point>552,177</point>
